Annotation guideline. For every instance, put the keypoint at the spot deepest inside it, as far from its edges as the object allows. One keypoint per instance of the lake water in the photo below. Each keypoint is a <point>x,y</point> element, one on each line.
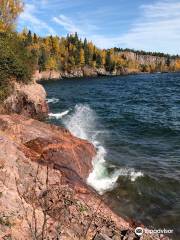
<point>134,122</point>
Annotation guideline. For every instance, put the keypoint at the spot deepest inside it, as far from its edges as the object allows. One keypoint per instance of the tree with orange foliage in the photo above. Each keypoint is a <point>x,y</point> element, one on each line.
<point>177,65</point>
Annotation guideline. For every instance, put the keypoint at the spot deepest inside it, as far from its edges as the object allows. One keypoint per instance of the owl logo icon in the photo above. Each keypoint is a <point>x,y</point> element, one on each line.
<point>139,231</point>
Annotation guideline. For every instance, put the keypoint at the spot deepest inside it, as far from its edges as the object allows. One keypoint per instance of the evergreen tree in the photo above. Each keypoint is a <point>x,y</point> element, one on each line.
<point>109,63</point>
<point>86,52</point>
<point>29,39</point>
<point>42,59</point>
<point>99,60</point>
<point>35,39</point>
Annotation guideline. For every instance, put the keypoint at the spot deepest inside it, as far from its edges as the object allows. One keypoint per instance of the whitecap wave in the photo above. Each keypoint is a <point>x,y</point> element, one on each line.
<point>82,123</point>
<point>52,100</point>
<point>58,115</point>
<point>130,173</point>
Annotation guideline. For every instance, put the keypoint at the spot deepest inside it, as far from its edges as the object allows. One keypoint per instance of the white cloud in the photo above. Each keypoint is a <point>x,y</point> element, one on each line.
<point>28,18</point>
<point>82,26</point>
<point>67,23</point>
<point>162,9</point>
<point>56,4</point>
<point>157,29</point>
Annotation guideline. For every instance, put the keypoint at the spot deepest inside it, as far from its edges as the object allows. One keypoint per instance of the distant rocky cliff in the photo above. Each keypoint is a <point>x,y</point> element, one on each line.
<point>149,60</point>
<point>137,63</point>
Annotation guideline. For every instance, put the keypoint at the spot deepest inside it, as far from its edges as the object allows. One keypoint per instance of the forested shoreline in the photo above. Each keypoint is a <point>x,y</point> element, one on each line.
<point>24,53</point>
<point>66,53</point>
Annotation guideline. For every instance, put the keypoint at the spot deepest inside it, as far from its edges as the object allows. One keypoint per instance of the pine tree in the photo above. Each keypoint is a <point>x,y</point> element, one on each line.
<point>86,51</point>
<point>99,59</point>
<point>110,64</point>
<point>42,59</point>
<point>29,39</point>
<point>35,39</point>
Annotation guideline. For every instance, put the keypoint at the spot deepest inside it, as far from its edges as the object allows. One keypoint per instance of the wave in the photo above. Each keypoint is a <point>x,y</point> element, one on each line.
<point>58,115</point>
<point>52,100</point>
<point>130,173</point>
<point>83,124</point>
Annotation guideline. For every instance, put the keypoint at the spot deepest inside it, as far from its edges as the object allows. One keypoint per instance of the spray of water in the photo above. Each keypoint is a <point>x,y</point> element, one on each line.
<point>58,115</point>
<point>52,100</point>
<point>83,124</point>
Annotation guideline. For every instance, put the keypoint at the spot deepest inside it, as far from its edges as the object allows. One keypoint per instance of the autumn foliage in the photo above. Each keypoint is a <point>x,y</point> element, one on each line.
<point>9,11</point>
<point>23,53</point>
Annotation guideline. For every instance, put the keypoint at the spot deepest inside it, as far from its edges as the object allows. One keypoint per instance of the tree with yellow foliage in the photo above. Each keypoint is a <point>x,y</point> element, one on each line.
<point>9,11</point>
<point>81,57</point>
<point>103,57</point>
<point>51,64</point>
<point>177,65</point>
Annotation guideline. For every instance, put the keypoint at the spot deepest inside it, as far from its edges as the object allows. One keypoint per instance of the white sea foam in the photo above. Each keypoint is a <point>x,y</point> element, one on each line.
<point>58,115</point>
<point>130,173</point>
<point>82,123</point>
<point>52,100</point>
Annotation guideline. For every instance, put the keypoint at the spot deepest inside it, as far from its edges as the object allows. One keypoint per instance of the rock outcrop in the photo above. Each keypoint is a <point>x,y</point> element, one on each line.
<point>144,59</point>
<point>46,75</point>
<point>43,171</point>
<point>28,100</point>
<point>43,190</point>
<point>78,72</point>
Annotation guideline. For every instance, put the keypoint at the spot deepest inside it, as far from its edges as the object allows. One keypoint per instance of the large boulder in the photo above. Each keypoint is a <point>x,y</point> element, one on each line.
<point>28,100</point>
<point>53,145</point>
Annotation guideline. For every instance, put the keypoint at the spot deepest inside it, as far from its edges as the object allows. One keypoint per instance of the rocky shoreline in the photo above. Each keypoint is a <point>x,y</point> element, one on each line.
<point>135,58</point>
<point>81,72</point>
<point>43,172</point>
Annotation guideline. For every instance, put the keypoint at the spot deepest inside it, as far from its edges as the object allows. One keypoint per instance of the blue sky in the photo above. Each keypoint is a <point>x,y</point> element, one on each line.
<point>151,25</point>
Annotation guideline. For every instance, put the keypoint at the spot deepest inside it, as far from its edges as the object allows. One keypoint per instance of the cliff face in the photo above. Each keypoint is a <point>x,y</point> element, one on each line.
<point>143,59</point>
<point>159,63</point>
<point>28,100</point>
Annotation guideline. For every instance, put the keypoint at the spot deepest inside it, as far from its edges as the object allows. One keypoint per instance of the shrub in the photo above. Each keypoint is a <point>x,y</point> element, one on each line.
<point>16,63</point>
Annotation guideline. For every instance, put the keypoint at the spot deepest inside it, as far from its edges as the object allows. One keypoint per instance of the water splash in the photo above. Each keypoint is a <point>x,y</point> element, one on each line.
<point>52,100</point>
<point>58,115</point>
<point>83,124</point>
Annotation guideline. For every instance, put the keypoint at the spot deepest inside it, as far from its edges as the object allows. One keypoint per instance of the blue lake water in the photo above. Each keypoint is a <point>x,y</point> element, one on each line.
<point>134,122</point>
